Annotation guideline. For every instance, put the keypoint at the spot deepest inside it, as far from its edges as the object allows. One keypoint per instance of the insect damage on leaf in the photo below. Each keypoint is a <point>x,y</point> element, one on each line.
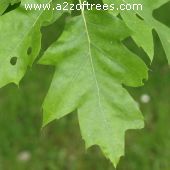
<point>22,42</point>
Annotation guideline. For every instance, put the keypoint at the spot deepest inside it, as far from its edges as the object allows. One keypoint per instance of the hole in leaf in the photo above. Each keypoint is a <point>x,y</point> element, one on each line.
<point>13,61</point>
<point>29,51</point>
<point>139,17</point>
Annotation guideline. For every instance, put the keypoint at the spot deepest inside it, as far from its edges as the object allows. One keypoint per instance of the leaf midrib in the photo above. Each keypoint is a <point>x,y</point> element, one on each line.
<point>93,70</point>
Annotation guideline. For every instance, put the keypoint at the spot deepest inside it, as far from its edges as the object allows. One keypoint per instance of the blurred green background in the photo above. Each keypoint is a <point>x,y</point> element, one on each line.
<point>24,146</point>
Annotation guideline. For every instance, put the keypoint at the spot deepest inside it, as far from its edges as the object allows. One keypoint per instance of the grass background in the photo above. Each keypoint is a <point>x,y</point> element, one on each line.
<point>59,145</point>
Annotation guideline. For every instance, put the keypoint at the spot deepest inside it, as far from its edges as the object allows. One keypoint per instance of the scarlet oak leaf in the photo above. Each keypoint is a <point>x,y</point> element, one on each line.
<point>91,66</point>
<point>20,45</point>
<point>142,22</point>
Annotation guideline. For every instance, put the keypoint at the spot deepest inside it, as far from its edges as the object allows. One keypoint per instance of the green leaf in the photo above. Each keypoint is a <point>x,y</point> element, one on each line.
<point>22,43</point>
<point>142,32</point>
<point>162,30</point>
<point>91,66</point>
<point>144,40</point>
